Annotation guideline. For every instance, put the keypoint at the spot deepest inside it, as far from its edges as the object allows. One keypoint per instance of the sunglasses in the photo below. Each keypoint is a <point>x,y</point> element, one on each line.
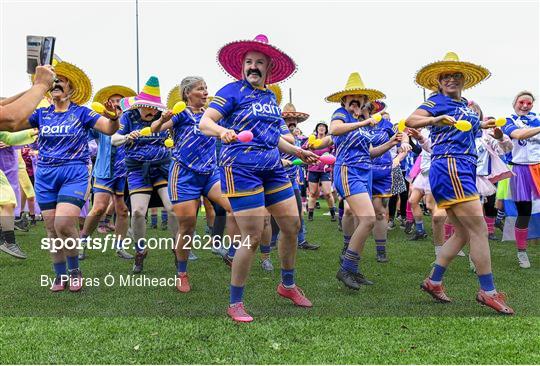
<point>456,76</point>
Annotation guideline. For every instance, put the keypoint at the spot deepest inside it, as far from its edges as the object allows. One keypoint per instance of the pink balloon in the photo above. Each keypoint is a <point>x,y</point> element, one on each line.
<point>245,136</point>
<point>327,159</point>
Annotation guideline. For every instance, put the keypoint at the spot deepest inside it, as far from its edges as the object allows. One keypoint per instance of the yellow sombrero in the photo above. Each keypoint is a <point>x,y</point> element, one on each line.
<point>77,77</point>
<point>276,89</point>
<point>428,76</point>
<point>103,95</point>
<point>355,86</point>
<point>43,104</point>
<point>174,97</point>
<point>289,111</point>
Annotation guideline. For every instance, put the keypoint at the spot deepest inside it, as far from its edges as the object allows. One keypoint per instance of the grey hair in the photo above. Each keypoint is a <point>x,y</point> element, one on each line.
<point>522,93</point>
<point>187,84</point>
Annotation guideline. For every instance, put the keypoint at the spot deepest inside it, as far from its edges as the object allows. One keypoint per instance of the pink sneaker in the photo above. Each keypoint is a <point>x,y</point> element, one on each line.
<point>238,313</point>
<point>295,294</point>
<point>59,283</point>
<point>182,283</point>
<point>75,280</point>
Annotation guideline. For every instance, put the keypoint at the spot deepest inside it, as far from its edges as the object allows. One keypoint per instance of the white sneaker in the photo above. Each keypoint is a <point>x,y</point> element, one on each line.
<point>461,254</point>
<point>523,260</point>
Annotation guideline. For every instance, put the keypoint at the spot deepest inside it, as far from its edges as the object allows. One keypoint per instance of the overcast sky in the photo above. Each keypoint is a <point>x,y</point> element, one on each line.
<point>386,41</point>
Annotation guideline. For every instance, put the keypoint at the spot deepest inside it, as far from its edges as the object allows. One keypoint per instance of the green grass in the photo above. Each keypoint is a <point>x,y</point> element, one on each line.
<point>391,322</point>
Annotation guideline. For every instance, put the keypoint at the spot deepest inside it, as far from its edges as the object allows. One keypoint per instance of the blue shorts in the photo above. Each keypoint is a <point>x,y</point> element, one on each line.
<point>137,184</point>
<point>114,185</point>
<point>294,182</point>
<point>67,183</point>
<point>187,185</point>
<point>350,180</point>
<point>317,177</point>
<point>248,188</point>
<point>452,181</point>
<point>381,184</point>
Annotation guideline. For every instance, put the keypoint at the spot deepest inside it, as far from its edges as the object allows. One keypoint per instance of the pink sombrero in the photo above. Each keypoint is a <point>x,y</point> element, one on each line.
<point>231,56</point>
<point>149,97</point>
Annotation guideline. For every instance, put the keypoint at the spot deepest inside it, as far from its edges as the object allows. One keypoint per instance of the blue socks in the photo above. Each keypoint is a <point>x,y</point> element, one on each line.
<point>72,262</point>
<point>139,247</point>
<point>287,277</point>
<point>237,293</point>
<point>60,269</point>
<point>380,245</point>
<point>486,283</point>
<point>153,220</point>
<point>265,249</point>
<point>346,241</point>
<point>350,261</point>
<point>437,274</point>
<point>181,266</point>
<point>419,226</point>
<point>273,241</point>
<point>232,251</point>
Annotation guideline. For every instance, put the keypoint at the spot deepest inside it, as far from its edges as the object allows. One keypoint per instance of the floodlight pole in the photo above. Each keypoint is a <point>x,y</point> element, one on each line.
<point>137,40</point>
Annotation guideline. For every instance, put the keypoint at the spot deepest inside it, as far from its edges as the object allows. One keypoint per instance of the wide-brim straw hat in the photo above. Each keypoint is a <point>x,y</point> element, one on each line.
<point>103,94</point>
<point>355,86</point>
<point>276,89</point>
<point>428,76</point>
<point>231,58</point>
<point>79,80</point>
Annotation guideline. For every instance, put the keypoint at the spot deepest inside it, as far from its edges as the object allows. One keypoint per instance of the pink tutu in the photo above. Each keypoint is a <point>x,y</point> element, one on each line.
<point>485,187</point>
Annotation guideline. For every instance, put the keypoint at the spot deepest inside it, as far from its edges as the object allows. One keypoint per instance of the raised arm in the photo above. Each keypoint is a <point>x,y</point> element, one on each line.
<point>14,115</point>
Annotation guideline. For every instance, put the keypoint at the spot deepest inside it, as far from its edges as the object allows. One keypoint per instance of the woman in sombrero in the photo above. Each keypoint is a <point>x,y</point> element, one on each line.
<point>147,160</point>
<point>252,176</point>
<point>452,173</point>
<point>193,172</point>
<point>523,127</point>
<point>62,178</point>
<point>352,136</point>
<point>109,175</point>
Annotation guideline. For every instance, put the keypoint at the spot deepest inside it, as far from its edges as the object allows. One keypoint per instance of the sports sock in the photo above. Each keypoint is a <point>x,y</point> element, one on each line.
<point>437,274</point>
<point>9,236</point>
<point>490,222</point>
<point>265,249</point>
<point>287,277</point>
<point>419,224</point>
<point>380,245</point>
<point>237,293</point>
<point>181,266</point>
<point>521,238</point>
<point>486,283</point>
<point>73,262</point>
<point>60,268</point>
<point>153,220</point>
<point>346,241</point>
<point>350,261</point>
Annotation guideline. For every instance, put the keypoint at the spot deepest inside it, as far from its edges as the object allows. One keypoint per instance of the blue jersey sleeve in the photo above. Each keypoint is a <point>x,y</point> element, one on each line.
<point>124,125</point>
<point>388,128</point>
<point>339,115</point>
<point>225,99</point>
<point>509,127</point>
<point>283,130</point>
<point>89,117</point>
<point>433,106</point>
<point>34,118</point>
<point>179,119</point>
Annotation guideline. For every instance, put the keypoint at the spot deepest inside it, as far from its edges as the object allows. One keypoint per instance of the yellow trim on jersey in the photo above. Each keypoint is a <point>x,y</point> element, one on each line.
<point>382,195</point>
<point>89,184</point>
<point>174,181</point>
<point>140,190</point>
<point>229,180</point>
<point>278,189</point>
<point>458,189</point>
<point>446,204</point>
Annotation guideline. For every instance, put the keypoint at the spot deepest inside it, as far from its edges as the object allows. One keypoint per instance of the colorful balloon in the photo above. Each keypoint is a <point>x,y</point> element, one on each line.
<point>97,107</point>
<point>179,107</point>
<point>169,142</point>
<point>297,162</point>
<point>147,131</point>
<point>245,136</point>
<point>377,117</point>
<point>499,122</point>
<point>401,126</point>
<point>463,125</point>
<point>327,159</point>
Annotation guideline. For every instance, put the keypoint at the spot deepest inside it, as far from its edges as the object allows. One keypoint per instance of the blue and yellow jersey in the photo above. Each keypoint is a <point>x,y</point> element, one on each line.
<point>526,151</point>
<point>246,108</point>
<point>192,148</point>
<point>382,133</point>
<point>352,148</point>
<point>144,148</point>
<point>448,141</point>
<point>63,136</point>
